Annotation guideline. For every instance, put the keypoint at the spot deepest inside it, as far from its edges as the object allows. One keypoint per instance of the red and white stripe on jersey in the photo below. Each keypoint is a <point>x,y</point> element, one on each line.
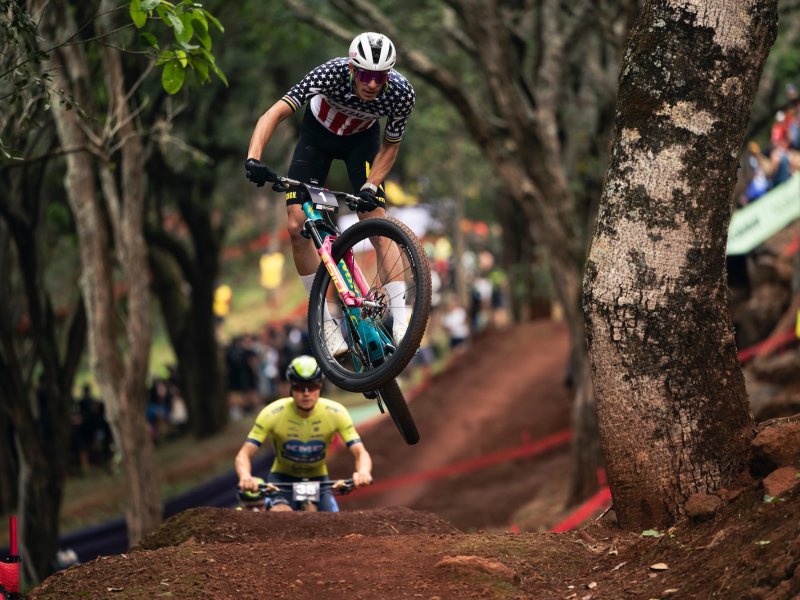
<point>339,119</point>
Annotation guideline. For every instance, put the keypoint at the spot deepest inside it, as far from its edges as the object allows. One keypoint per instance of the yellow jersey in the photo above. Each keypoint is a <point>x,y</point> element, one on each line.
<point>301,444</point>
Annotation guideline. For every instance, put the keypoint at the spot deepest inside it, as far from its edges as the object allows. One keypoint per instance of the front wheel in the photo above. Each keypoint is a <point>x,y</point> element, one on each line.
<point>362,349</point>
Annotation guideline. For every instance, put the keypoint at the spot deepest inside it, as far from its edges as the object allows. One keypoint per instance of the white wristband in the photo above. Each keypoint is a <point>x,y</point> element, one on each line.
<point>370,186</point>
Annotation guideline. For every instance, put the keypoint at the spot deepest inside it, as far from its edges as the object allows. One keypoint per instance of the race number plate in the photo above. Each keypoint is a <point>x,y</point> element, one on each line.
<point>323,199</point>
<point>306,490</point>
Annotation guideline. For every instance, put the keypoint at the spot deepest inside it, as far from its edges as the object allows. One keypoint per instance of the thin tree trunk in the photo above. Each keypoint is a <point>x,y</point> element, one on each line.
<point>672,407</point>
<point>122,383</point>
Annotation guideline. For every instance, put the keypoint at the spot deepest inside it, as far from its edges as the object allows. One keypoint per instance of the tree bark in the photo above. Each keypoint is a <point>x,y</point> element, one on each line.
<point>671,402</point>
<point>120,205</point>
<point>38,418</point>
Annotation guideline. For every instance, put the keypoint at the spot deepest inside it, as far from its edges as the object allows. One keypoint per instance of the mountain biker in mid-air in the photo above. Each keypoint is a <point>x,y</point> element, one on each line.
<point>301,429</point>
<point>347,97</point>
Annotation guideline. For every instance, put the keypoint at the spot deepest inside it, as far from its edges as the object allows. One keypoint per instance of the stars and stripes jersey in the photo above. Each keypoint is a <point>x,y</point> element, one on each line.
<point>336,106</point>
<point>301,444</point>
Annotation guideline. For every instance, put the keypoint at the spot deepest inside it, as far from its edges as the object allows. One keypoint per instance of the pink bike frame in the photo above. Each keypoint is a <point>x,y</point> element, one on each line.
<point>348,296</point>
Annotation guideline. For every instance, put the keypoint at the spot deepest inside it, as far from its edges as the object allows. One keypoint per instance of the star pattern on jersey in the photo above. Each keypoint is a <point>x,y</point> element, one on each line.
<point>332,80</point>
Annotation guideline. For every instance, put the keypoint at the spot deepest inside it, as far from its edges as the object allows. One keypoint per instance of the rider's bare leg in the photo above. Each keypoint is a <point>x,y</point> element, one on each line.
<point>280,508</point>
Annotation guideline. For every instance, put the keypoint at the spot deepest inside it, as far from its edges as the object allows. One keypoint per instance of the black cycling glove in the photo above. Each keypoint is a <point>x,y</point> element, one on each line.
<point>369,201</point>
<point>258,173</point>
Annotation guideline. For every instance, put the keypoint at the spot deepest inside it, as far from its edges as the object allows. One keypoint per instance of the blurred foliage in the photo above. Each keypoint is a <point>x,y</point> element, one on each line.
<point>189,23</point>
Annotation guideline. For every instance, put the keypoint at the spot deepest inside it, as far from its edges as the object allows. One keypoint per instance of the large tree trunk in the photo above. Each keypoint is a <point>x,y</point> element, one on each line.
<point>39,419</point>
<point>671,401</point>
<point>121,380</point>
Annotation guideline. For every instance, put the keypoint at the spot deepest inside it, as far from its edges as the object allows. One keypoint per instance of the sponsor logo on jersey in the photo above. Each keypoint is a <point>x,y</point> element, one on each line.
<point>303,452</point>
<point>351,112</point>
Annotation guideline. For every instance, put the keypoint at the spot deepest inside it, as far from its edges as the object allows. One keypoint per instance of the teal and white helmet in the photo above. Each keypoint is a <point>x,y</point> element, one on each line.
<point>303,369</point>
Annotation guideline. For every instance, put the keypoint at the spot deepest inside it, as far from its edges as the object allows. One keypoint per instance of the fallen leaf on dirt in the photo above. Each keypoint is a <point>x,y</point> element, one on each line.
<point>354,536</point>
<point>113,589</point>
<point>620,565</point>
<point>591,585</point>
<point>669,592</point>
<point>659,567</point>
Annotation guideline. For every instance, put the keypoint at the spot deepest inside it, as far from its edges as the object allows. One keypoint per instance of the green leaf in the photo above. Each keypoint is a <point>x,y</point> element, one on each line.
<point>201,66</point>
<point>148,39</point>
<point>148,5</point>
<point>165,57</point>
<point>214,20</point>
<point>182,58</point>
<point>201,30</point>
<point>172,77</point>
<point>219,73</point>
<point>652,533</point>
<point>175,23</point>
<point>198,16</point>
<point>188,30</point>
<point>138,16</point>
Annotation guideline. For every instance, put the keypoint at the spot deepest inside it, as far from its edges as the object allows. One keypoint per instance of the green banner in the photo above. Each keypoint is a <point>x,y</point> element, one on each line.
<point>757,222</point>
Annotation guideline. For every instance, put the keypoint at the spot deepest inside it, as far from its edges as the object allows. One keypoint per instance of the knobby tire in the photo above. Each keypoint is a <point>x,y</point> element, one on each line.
<point>395,403</point>
<point>348,378</point>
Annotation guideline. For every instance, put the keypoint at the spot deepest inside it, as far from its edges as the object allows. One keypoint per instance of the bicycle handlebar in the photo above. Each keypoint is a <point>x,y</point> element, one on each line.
<point>339,486</point>
<point>284,184</point>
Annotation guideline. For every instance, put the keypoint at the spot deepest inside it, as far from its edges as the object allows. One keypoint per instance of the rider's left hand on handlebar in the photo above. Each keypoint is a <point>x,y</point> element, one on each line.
<point>258,173</point>
<point>248,483</point>
<point>362,478</point>
<point>369,201</point>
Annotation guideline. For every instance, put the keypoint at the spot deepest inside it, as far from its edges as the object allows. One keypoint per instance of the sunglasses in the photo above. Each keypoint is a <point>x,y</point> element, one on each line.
<point>307,387</point>
<point>365,76</point>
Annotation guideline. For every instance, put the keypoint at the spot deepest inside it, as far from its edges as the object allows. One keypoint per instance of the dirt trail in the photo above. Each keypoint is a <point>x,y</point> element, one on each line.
<point>506,389</point>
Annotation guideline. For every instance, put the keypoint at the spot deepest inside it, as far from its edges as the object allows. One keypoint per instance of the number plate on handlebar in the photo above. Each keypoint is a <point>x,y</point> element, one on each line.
<point>303,491</point>
<point>322,199</point>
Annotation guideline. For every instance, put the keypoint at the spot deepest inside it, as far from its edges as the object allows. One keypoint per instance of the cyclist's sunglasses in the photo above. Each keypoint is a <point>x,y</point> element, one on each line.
<point>311,386</point>
<point>365,76</point>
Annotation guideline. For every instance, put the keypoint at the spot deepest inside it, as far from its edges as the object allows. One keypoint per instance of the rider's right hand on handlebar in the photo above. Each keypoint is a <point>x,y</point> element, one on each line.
<point>362,478</point>
<point>258,173</point>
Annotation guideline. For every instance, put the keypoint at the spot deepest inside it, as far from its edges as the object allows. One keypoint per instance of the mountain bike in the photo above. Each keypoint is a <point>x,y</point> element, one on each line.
<point>350,287</point>
<point>349,296</point>
<point>306,493</point>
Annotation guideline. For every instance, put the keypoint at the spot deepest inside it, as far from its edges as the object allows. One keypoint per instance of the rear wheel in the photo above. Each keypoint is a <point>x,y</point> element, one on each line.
<point>392,397</point>
<point>360,349</point>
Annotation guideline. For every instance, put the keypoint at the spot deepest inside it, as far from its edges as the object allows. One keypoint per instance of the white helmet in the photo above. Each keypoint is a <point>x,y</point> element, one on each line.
<point>372,51</point>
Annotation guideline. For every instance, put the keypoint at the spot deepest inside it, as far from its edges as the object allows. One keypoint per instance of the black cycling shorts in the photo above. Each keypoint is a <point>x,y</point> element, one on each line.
<point>318,147</point>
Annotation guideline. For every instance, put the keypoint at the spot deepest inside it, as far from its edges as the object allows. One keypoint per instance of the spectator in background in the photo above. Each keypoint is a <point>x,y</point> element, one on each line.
<point>178,417</point>
<point>94,432</point>
<point>158,409</point>
<point>456,323</point>
<point>758,183</point>
<point>250,371</point>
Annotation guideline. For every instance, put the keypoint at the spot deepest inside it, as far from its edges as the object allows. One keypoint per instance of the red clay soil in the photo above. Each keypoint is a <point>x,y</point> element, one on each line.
<point>429,540</point>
